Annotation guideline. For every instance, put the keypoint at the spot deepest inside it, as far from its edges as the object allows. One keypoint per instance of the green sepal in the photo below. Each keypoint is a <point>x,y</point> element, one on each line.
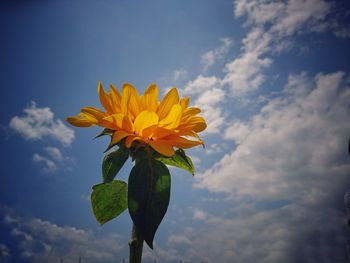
<point>148,196</point>
<point>105,132</point>
<point>109,200</point>
<point>112,163</point>
<point>179,159</point>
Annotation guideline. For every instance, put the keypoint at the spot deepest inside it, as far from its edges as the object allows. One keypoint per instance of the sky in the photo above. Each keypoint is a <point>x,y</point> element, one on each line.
<point>273,81</point>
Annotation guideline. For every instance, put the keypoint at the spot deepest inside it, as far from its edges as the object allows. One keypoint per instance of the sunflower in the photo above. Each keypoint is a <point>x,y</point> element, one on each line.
<point>143,120</point>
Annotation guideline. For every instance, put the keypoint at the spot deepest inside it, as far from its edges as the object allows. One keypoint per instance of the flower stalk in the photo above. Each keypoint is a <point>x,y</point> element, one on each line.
<point>135,246</point>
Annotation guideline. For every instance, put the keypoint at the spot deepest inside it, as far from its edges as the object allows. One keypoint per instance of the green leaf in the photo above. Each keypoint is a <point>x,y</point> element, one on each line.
<point>109,200</point>
<point>179,159</point>
<point>148,196</point>
<point>105,132</point>
<point>112,163</point>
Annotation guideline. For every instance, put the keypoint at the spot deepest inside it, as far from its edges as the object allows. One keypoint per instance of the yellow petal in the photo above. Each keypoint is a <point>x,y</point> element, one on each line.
<point>156,132</point>
<point>115,98</point>
<point>130,103</point>
<point>145,119</point>
<point>189,133</point>
<point>184,102</point>
<point>189,112</point>
<point>104,98</point>
<point>127,125</point>
<point>150,98</point>
<point>82,120</point>
<point>172,120</point>
<point>115,119</point>
<point>126,93</point>
<point>171,98</point>
<point>94,112</point>
<point>163,147</point>
<point>118,136</point>
<point>148,132</point>
<point>195,123</point>
<point>117,122</point>
<point>182,143</point>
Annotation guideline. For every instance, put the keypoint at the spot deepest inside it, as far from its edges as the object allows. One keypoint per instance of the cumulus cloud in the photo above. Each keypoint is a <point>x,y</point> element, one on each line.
<point>4,252</point>
<point>212,148</point>
<point>342,32</point>
<point>244,74</point>
<point>176,240</point>
<point>54,153</point>
<point>272,26</point>
<point>48,165</point>
<point>209,58</point>
<point>209,94</point>
<point>39,123</point>
<point>237,131</point>
<point>199,214</point>
<point>44,241</point>
<point>285,17</point>
<point>52,160</point>
<point>179,74</point>
<point>289,233</point>
<point>293,138</point>
<point>201,84</point>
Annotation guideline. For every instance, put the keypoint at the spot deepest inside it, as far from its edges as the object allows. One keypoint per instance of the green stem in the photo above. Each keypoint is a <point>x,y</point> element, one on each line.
<point>135,246</point>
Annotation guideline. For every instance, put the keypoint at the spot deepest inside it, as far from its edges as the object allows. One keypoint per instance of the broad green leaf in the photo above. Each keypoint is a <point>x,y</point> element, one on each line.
<point>109,200</point>
<point>105,132</point>
<point>148,196</point>
<point>112,163</point>
<point>179,159</point>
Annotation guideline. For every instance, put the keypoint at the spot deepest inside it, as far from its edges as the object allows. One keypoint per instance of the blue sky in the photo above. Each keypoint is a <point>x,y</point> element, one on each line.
<point>272,79</point>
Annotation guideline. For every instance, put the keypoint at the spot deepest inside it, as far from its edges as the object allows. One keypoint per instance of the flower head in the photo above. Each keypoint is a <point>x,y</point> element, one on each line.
<point>142,118</point>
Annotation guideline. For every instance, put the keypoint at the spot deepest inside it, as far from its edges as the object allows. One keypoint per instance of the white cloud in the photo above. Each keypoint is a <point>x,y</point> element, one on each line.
<point>9,219</point>
<point>4,252</point>
<point>209,58</point>
<point>19,233</point>
<point>258,12</point>
<point>237,131</point>
<point>285,17</point>
<point>49,242</point>
<point>244,73</point>
<point>342,32</point>
<point>160,255</point>
<point>213,148</point>
<point>268,236</point>
<point>48,165</point>
<point>54,153</point>
<point>52,160</point>
<point>39,123</point>
<point>209,94</point>
<point>273,24</point>
<point>176,240</point>
<point>298,13</point>
<point>291,147</point>
<point>179,74</point>
<point>208,102</point>
<point>201,84</point>
<point>199,214</point>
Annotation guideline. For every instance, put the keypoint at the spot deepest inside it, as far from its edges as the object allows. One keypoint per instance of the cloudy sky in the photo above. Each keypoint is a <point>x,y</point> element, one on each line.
<point>273,81</point>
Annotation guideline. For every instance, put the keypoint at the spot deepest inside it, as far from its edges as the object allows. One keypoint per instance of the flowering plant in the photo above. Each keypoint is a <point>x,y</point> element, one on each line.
<point>146,130</point>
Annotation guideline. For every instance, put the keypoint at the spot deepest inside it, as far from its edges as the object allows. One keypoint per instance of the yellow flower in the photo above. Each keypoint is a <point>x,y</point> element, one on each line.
<point>163,125</point>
